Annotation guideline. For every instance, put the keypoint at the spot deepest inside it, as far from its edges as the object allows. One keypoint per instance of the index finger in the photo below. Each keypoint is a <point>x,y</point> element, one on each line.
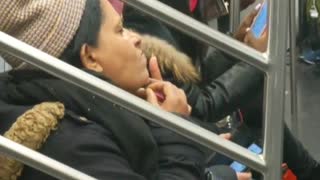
<point>249,19</point>
<point>244,176</point>
<point>157,86</point>
<point>226,136</point>
<point>154,69</point>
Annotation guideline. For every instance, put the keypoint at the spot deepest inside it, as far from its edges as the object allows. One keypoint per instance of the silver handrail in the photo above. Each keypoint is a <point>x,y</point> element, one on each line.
<point>293,58</point>
<point>274,82</point>
<point>234,15</point>
<point>275,87</point>
<point>39,161</point>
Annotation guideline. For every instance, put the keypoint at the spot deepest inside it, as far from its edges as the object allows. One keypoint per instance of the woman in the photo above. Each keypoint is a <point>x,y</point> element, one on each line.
<point>96,136</point>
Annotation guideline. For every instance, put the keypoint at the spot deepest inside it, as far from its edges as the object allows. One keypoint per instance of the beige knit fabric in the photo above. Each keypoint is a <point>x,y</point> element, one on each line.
<point>48,25</point>
<point>31,130</point>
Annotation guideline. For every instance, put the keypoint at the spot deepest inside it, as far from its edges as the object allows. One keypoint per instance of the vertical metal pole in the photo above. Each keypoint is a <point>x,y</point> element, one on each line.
<point>234,15</point>
<point>275,87</point>
<point>3,64</point>
<point>293,79</point>
<point>297,15</point>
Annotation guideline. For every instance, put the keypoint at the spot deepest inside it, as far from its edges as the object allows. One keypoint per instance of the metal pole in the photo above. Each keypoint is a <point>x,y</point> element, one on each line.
<point>127,100</point>
<point>39,161</point>
<point>297,15</point>
<point>275,87</point>
<point>293,78</point>
<point>234,15</point>
<point>200,31</point>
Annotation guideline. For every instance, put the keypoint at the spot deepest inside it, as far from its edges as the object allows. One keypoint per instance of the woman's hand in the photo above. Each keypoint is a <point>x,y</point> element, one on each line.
<point>174,100</point>
<point>244,176</point>
<point>242,30</point>
<point>226,136</point>
<point>259,44</point>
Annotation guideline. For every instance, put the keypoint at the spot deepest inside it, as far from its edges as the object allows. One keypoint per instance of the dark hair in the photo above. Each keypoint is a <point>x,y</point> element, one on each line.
<point>87,33</point>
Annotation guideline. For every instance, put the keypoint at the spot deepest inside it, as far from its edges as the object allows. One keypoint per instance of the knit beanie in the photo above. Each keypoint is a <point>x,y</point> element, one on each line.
<point>48,25</point>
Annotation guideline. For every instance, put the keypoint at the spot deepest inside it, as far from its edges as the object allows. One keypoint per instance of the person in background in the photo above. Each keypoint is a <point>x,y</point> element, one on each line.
<point>246,79</point>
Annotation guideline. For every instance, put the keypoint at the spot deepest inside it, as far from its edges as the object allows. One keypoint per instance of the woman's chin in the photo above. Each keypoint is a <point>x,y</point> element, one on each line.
<point>145,83</point>
<point>146,77</point>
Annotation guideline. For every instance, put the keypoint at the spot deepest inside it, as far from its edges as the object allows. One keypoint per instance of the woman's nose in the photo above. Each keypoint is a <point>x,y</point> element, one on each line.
<point>136,39</point>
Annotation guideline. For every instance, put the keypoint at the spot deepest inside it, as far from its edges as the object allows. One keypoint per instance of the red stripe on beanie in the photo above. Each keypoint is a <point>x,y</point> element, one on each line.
<point>192,5</point>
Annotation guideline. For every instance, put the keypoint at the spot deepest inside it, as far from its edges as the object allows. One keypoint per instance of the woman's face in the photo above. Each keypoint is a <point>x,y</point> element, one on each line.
<point>118,54</point>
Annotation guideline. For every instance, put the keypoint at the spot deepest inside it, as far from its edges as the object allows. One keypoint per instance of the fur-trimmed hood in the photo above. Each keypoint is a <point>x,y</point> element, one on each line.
<point>170,60</point>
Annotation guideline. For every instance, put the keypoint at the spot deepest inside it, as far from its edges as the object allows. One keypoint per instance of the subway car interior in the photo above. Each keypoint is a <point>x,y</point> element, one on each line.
<point>229,91</point>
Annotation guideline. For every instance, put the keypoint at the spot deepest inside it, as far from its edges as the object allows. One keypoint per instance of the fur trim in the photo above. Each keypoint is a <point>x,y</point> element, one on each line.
<point>170,60</point>
<point>31,130</point>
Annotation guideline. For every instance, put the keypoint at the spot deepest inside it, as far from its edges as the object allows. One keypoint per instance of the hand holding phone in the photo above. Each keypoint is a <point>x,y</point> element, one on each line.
<point>259,24</point>
<point>257,37</point>
<point>238,167</point>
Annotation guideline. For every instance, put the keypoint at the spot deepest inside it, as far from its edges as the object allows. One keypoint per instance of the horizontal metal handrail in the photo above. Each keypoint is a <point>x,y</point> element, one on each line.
<point>201,32</point>
<point>39,161</point>
<point>97,86</point>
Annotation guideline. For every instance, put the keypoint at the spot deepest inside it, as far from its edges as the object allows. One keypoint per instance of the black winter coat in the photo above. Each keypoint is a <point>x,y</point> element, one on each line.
<point>112,143</point>
<point>227,84</point>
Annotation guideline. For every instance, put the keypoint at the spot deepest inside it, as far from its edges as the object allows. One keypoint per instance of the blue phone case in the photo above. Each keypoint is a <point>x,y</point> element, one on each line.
<point>238,167</point>
<point>260,23</point>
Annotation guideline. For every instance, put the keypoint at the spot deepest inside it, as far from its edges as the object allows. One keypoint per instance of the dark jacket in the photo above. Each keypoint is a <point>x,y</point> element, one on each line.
<point>226,86</point>
<point>227,83</point>
<point>98,137</point>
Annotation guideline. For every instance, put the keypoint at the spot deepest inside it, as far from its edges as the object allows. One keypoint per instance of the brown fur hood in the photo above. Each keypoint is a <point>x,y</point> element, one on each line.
<point>170,59</point>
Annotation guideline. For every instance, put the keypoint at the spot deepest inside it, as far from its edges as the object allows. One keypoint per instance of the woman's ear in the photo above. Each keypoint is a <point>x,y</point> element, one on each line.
<point>89,59</point>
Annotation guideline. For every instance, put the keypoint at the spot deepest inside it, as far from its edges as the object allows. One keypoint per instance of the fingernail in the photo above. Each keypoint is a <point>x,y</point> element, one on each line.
<point>248,29</point>
<point>257,6</point>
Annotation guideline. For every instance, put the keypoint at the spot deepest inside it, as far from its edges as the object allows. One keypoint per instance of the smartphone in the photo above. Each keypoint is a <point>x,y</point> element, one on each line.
<point>238,167</point>
<point>260,23</point>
